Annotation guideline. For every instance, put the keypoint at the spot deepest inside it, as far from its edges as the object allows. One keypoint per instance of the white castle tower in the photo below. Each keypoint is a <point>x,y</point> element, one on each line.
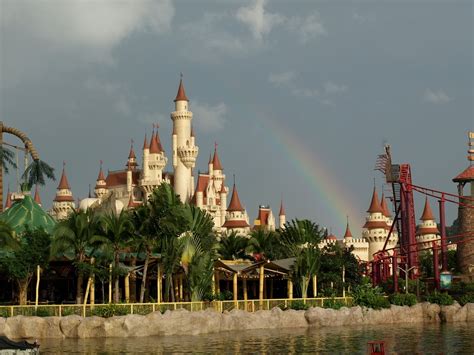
<point>236,217</point>
<point>154,161</point>
<point>100,189</point>
<point>185,151</point>
<point>376,228</point>
<point>63,203</point>
<point>282,216</point>
<point>427,230</point>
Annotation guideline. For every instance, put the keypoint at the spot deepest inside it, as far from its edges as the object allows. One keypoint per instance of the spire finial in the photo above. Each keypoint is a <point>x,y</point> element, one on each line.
<point>234,178</point>
<point>181,75</point>
<point>64,164</point>
<point>215,145</point>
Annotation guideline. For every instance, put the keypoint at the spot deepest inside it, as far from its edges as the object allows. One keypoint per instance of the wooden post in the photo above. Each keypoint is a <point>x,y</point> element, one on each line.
<point>290,289</point>
<point>218,287</point>
<point>213,281</point>
<point>343,281</point>
<point>261,284</point>
<point>176,288</point>
<point>315,286</point>
<point>181,287</point>
<point>38,272</point>
<point>92,294</point>
<point>158,283</point>
<point>127,288</point>
<point>85,297</point>
<point>110,283</point>
<point>244,281</point>
<point>235,290</point>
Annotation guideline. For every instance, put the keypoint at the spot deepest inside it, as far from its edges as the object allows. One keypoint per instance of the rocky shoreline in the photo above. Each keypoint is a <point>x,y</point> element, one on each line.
<point>209,321</point>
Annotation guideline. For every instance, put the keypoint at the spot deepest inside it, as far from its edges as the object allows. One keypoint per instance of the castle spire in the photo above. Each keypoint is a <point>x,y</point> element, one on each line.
<point>181,95</point>
<point>374,204</point>
<point>63,183</point>
<point>155,144</point>
<point>215,160</point>
<point>384,206</point>
<point>347,234</point>
<point>427,213</point>
<point>101,176</point>
<point>145,143</point>
<point>282,209</point>
<point>235,204</point>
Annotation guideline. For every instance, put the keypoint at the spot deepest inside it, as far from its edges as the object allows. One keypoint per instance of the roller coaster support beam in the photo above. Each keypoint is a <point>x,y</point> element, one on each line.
<point>442,220</point>
<point>436,265</point>
<point>395,271</point>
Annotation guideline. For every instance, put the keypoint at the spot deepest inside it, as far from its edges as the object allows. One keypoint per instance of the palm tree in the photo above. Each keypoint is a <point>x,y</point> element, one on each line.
<point>6,157</point>
<point>117,228</point>
<point>34,174</point>
<point>261,244</point>
<point>233,247</point>
<point>78,236</point>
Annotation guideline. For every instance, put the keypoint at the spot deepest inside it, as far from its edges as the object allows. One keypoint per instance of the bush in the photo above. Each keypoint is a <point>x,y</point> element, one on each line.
<point>297,305</point>
<point>365,295</point>
<point>333,303</point>
<point>403,299</point>
<point>44,312</point>
<point>110,310</point>
<point>443,299</point>
<point>5,313</point>
<point>467,298</point>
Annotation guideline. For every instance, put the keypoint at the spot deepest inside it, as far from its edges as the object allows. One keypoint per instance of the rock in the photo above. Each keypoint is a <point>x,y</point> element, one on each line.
<point>430,312</point>
<point>469,312</point>
<point>3,322</point>
<point>69,325</point>
<point>91,327</point>
<point>33,327</point>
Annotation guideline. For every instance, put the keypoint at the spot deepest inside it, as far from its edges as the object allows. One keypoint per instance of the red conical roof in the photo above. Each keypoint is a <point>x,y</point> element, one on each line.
<point>131,155</point>
<point>331,237</point>
<point>158,140</point>
<point>210,158</point>
<point>181,95</point>
<point>222,189</point>
<point>63,183</point>
<point>101,176</point>
<point>154,145</point>
<point>235,204</point>
<point>427,213</point>
<point>385,209</point>
<point>348,233</point>
<point>216,161</point>
<point>145,143</point>
<point>8,203</point>
<point>37,197</point>
<point>282,209</point>
<point>374,204</point>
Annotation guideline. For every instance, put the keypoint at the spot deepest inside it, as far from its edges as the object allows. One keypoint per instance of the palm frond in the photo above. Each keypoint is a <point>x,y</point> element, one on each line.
<point>36,172</point>
<point>7,158</point>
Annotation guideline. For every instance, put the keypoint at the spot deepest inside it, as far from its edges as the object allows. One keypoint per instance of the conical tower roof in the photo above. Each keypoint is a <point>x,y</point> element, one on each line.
<point>216,161</point>
<point>64,183</point>
<point>145,143</point>
<point>348,234</point>
<point>37,196</point>
<point>9,202</point>
<point>374,204</point>
<point>27,212</point>
<point>181,95</point>
<point>384,206</point>
<point>131,154</point>
<point>235,204</point>
<point>101,176</point>
<point>282,209</point>
<point>427,213</point>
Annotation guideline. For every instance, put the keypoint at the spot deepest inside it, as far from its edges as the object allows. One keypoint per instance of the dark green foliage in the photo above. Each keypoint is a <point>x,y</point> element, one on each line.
<point>7,158</point>
<point>5,313</point>
<point>110,310</point>
<point>467,298</point>
<point>441,298</point>
<point>45,312</point>
<point>333,303</point>
<point>297,305</point>
<point>232,247</point>
<point>224,295</point>
<point>261,244</point>
<point>34,174</point>
<point>366,295</point>
<point>403,299</point>
<point>426,262</point>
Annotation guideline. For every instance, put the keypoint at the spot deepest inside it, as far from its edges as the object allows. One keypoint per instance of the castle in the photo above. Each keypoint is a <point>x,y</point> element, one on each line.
<point>131,187</point>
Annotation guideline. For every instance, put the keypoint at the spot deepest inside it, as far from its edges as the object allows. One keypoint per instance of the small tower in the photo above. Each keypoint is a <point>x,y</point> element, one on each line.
<point>154,161</point>
<point>185,151</point>
<point>348,234</point>
<point>63,203</point>
<point>37,197</point>
<point>132,158</point>
<point>282,216</point>
<point>427,230</point>
<point>223,196</point>
<point>100,189</point>
<point>236,218</point>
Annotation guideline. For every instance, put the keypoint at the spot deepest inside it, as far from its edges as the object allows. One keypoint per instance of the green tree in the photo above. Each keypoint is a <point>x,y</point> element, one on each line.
<point>20,263</point>
<point>36,172</point>
<point>261,244</point>
<point>77,237</point>
<point>232,247</point>
<point>117,229</point>
<point>7,157</point>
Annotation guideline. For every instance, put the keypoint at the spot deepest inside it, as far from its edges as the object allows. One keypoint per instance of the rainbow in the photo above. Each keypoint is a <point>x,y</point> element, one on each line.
<point>333,197</point>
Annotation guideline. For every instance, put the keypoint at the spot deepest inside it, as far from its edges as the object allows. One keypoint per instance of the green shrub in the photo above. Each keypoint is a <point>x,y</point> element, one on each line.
<point>5,313</point>
<point>110,310</point>
<point>297,305</point>
<point>365,295</point>
<point>67,311</point>
<point>467,298</point>
<point>332,303</point>
<point>403,299</point>
<point>443,299</point>
<point>44,312</point>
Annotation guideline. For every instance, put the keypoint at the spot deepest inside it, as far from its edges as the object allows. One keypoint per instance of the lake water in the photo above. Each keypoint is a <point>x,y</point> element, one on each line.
<point>418,339</point>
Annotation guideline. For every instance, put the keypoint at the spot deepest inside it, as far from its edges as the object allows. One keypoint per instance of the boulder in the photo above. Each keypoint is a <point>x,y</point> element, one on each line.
<point>69,325</point>
<point>3,322</point>
<point>469,312</point>
<point>430,312</point>
<point>21,327</point>
<point>91,327</point>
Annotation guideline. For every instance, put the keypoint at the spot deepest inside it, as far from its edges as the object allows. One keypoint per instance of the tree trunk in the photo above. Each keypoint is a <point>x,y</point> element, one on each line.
<point>145,269</point>
<point>133,282</point>
<point>80,281</point>
<point>304,286</point>
<point>22,291</point>
<point>117,279</point>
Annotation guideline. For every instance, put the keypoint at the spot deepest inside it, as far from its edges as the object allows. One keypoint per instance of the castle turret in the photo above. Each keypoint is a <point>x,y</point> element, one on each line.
<point>348,234</point>
<point>100,189</point>
<point>282,216</point>
<point>236,218</point>
<point>427,230</point>
<point>185,151</point>
<point>154,161</point>
<point>223,196</point>
<point>132,159</point>
<point>63,203</point>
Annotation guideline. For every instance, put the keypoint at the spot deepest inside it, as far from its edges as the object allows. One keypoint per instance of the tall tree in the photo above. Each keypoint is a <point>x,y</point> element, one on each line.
<point>7,159</point>
<point>117,229</point>
<point>261,244</point>
<point>20,263</point>
<point>78,236</point>
<point>232,247</point>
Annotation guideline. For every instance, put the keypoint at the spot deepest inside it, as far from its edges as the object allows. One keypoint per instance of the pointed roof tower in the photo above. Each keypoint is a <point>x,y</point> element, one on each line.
<point>427,213</point>
<point>37,196</point>
<point>63,193</point>
<point>63,183</point>
<point>282,209</point>
<point>374,204</point>
<point>235,204</point>
<point>145,143</point>
<point>215,160</point>
<point>101,176</point>
<point>348,234</point>
<point>384,206</point>
<point>181,95</point>
<point>132,158</point>
<point>155,143</point>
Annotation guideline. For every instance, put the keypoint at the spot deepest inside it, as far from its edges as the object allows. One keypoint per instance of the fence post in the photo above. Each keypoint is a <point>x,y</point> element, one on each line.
<point>153,307</point>
<point>60,313</point>
<point>11,311</point>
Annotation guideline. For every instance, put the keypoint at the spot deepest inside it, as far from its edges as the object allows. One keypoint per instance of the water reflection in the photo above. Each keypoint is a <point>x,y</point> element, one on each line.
<point>406,339</point>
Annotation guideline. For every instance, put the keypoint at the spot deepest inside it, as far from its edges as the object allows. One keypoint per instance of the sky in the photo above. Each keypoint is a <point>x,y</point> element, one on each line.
<point>300,96</point>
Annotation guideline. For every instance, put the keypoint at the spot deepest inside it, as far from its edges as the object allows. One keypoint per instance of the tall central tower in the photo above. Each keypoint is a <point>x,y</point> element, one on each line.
<point>185,151</point>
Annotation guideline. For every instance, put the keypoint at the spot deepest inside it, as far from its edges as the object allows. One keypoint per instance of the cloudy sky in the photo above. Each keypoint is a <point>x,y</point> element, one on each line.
<point>301,96</point>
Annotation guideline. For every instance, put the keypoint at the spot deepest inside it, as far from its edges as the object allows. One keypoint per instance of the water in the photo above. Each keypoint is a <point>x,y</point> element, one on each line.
<point>413,339</point>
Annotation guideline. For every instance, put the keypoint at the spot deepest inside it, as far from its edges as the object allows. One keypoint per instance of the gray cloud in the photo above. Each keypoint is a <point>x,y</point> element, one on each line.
<point>436,97</point>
